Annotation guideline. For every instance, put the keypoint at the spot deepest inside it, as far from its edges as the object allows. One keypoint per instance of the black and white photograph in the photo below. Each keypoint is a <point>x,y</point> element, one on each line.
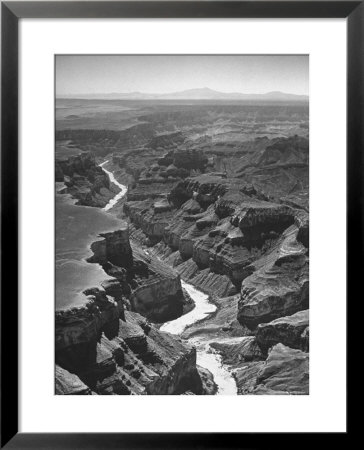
<point>182,224</point>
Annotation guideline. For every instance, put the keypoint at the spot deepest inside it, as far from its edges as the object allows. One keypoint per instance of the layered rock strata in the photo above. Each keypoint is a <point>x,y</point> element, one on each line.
<point>280,168</point>
<point>220,225</point>
<point>135,359</point>
<point>85,180</point>
<point>237,351</point>
<point>291,331</point>
<point>286,371</point>
<point>101,348</point>
<point>147,285</point>
<point>69,384</point>
<point>279,285</point>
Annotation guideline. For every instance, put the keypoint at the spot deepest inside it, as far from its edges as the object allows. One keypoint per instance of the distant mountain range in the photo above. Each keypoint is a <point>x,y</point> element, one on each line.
<point>192,94</point>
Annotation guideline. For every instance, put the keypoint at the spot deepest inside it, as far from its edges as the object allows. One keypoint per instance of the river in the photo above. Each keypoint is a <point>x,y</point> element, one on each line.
<point>118,196</point>
<point>206,356</point>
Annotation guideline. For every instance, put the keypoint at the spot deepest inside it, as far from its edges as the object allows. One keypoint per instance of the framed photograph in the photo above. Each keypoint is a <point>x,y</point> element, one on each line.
<point>181,199</point>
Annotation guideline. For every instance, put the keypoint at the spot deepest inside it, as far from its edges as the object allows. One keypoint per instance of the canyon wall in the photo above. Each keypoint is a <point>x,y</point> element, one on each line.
<point>84,180</point>
<point>122,357</point>
<point>105,347</point>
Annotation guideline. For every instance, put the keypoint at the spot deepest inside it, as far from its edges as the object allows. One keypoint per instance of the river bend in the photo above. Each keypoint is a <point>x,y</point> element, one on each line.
<point>206,356</point>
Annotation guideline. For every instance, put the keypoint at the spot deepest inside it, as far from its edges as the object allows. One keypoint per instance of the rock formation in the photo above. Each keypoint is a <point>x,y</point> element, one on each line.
<point>286,371</point>
<point>279,286</point>
<point>281,169</point>
<point>114,248</point>
<point>290,331</point>
<point>149,286</point>
<point>85,180</point>
<point>135,359</point>
<point>104,349</point>
<point>69,384</point>
<point>237,351</point>
<point>220,224</point>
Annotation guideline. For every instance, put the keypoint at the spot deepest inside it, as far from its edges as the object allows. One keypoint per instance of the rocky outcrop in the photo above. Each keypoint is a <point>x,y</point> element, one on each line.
<point>114,248</point>
<point>260,220</point>
<point>281,168</point>
<point>293,150</point>
<point>279,285</point>
<point>209,387</point>
<point>146,285</point>
<point>148,216</point>
<point>158,296</point>
<point>138,359</point>
<point>85,180</point>
<point>237,351</point>
<point>286,330</point>
<point>82,325</point>
<point>246,377</point>
<point>286,371</point>
<point>205,189</point>
<point>69,384</point>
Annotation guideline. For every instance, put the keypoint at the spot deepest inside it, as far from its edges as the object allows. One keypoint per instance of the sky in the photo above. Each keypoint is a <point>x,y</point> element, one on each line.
<point>251,74</point>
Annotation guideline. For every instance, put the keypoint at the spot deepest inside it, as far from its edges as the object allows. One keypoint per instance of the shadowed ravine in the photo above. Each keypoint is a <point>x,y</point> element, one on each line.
<point>206,356</point>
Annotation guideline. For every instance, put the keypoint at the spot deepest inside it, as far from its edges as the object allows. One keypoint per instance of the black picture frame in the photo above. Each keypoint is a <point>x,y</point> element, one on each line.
<point>11,12</point>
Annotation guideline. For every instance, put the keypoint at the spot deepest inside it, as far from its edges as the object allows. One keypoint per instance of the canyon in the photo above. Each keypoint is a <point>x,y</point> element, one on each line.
<point>190,271</point>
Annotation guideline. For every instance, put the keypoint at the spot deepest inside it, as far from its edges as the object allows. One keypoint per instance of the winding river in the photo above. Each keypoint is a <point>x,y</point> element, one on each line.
<point>118,196</point>
<point>206,356</point>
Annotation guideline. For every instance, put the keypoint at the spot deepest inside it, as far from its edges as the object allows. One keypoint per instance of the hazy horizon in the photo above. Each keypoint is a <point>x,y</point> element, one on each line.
<point>166,74</point>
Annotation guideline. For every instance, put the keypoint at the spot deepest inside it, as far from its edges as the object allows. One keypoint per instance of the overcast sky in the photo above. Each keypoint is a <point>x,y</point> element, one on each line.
<point>165,74</point>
